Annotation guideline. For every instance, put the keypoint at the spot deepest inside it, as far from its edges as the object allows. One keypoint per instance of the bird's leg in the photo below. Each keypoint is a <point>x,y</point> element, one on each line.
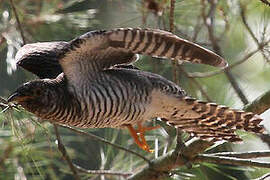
<point>141,130</point>
<point>138,136</point>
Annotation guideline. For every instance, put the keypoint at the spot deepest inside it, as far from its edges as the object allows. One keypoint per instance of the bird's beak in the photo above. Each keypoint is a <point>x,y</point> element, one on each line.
<point>15,97</point>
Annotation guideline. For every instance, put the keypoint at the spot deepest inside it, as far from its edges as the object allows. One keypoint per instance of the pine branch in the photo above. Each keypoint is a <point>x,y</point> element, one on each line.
<point>209,22</point>
<point>174,63</point>
<point>260,104</point>
<point>74,168</point>
<point>244,59</point>
<point>160,167</point>
<point>172,16</point>
<point>244,20</point>
<point>264,177</point>
<point>244,155</point>
<point>18,21</point>
<point>94,137</point>
<point>231,161</point>
<point>103,172</point>
<point>65,155</point>
<point>194,81</point>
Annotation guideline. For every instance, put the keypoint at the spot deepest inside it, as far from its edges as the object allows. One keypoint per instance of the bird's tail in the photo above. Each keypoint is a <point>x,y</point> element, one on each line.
<point>211,121</point>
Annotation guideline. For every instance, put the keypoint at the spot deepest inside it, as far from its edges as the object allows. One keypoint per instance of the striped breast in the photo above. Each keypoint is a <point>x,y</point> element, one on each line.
<point>114,98</point>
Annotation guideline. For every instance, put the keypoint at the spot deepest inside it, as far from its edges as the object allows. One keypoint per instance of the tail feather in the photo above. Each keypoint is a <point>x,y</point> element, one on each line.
<point>212,121</point>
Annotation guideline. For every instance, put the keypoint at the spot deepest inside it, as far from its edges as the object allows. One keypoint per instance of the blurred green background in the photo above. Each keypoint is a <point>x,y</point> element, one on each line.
<point>27,147</point>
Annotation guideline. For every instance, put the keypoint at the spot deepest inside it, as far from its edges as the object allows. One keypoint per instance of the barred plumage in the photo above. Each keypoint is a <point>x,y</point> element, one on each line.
<point>159,43</point>
<point>209,120</point>
<point>99,89</point>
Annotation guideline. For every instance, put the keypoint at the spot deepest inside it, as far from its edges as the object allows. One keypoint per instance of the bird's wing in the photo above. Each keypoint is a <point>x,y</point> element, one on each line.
<point>98,50</point>
<point>41,58</point>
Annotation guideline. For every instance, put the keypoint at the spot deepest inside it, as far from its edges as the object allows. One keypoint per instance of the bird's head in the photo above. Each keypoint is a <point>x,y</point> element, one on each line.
<point>31,95</point>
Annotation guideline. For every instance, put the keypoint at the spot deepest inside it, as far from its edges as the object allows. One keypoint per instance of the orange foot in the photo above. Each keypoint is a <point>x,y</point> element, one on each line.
<point>138,135</point>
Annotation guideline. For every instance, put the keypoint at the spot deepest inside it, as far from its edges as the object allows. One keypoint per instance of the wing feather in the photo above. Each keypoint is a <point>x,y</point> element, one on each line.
<point>162,44</point>
<point>41,58</point>
<point>99,50</point>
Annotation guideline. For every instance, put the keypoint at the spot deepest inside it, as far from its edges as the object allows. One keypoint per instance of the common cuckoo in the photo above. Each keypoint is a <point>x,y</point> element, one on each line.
<point>90,82</point>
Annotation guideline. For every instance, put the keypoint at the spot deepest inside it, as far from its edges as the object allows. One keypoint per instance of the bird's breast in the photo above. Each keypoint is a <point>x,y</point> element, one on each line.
<point>108,101</point>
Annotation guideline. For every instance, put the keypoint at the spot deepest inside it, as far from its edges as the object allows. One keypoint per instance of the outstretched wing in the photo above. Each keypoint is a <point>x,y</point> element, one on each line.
<point>41,58</point>
<point>98,50</point>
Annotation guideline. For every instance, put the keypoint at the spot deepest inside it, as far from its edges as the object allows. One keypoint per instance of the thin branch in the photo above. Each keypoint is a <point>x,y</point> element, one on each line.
<point>62,149</point>
<point>236,87</point>
<point>159,168</point>
<point>194,81</point>
<point>175,65</point>
<point>94,137</point>
<point>74,168</point>
<point>213,73</point>
<point>2,100</point>
<point>103,172</point>
<point>230,161</point>
<point>260,104</point>
<point>172,16</point>
<point>244,20</point>
<point>264,177</point>
<point>180,145</point>
<point>175,74</point>
<point>244,155</point>
<point>265,138</point>
<point>226,21</point>
<point>18,21</point>
<point>209,20</point>
<point>187,37</point>
<point>197,28</point>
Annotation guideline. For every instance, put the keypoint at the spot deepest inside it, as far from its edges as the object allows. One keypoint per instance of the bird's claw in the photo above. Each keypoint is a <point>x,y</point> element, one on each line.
<point>138,136</point>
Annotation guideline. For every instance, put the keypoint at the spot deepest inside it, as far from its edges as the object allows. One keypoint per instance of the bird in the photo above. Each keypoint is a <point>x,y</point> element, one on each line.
<point>92,82</point>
